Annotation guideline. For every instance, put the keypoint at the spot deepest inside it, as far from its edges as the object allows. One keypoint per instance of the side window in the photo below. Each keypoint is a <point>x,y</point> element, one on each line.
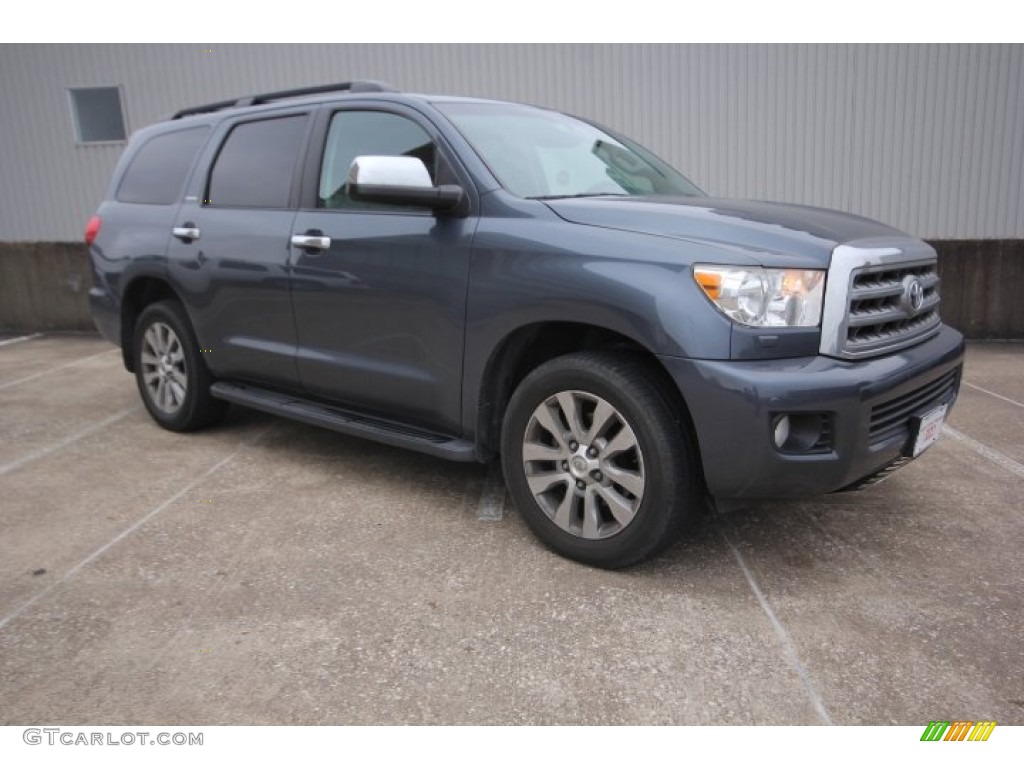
<point>157,172</point>
<point>255,165</point>
<point>368,133</point>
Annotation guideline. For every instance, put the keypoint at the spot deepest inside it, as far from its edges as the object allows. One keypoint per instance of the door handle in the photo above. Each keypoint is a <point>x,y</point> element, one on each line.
<point>311,242</point>
<point>188,233</point>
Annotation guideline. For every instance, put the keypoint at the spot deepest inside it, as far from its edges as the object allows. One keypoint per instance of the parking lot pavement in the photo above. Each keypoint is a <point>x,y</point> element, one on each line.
<point>269,572</point>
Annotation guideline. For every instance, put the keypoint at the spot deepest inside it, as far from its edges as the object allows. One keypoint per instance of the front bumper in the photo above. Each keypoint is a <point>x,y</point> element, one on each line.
<point>733,405</point>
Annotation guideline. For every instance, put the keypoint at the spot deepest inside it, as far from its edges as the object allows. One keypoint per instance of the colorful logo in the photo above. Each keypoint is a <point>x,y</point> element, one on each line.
<point>958,730</point>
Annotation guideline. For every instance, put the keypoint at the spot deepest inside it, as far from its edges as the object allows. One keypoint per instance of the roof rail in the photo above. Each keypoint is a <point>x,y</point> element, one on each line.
<point>355,86</point>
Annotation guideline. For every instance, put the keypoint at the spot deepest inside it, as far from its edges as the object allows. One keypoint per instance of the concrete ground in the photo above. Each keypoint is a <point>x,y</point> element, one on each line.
<point>270,572</point>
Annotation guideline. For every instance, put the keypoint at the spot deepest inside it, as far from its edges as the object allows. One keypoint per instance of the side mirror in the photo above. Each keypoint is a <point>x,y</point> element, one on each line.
<point>399,181</point>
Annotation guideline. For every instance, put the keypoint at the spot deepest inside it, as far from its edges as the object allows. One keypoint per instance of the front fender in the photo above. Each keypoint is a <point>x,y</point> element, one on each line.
<point>639,286</point>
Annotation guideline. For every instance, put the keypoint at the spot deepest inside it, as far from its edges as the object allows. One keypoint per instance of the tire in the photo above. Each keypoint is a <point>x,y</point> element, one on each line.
<point>633,493</point>
<point>171,375</point>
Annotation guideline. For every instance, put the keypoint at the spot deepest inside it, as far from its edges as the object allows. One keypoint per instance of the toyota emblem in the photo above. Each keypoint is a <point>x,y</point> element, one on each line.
<point>913,295</point>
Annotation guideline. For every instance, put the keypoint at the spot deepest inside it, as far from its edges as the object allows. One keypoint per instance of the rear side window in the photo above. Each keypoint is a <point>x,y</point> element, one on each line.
<point>157,173</point>
<point>256,164</point>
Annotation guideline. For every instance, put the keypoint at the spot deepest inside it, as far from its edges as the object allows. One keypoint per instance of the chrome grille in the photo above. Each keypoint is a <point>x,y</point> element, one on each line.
<point>892,417</point>
<point>881,295</point>
<point>880,315</point>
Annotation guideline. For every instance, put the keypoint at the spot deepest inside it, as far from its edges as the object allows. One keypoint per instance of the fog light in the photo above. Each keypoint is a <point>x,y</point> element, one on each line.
<point>802,432</point>
<point>781,431</point>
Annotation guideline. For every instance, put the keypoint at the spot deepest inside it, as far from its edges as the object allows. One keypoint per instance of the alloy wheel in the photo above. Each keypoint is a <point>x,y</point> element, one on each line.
<point>583,464</point>
<point>163,368</point>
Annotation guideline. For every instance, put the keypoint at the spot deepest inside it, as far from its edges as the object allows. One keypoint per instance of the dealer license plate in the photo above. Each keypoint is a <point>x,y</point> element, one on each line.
<point>929,429</point>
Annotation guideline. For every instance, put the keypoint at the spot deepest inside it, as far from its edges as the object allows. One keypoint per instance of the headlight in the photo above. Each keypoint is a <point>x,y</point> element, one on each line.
<point>764,297</point>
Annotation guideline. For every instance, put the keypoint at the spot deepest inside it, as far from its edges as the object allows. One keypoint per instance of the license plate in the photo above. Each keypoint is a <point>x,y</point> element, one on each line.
<point>929,429</point>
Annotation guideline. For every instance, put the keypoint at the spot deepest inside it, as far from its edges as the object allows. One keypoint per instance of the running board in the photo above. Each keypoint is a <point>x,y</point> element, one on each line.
<point>346,422</point>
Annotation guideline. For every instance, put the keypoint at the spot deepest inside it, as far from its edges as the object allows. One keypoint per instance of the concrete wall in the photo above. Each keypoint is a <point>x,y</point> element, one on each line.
<point>44,286</point>
<point>982,286</point>
<point>928,138</point>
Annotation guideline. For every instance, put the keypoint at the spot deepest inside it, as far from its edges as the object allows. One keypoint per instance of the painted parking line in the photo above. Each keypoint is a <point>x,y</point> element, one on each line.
<point>20,339</point>
<point>994,394</point>
<point>789,651</point>
<point>492,497</point>
<point>981,449</point>
<point>38,454</point>
<point>47,372</point>
<point>9,617</point>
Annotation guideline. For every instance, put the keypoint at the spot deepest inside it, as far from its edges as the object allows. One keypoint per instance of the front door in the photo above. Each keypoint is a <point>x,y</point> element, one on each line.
<point>380,313</point>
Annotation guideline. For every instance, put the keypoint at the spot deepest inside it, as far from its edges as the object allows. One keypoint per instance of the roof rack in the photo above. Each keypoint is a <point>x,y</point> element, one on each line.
<point>355,86</point>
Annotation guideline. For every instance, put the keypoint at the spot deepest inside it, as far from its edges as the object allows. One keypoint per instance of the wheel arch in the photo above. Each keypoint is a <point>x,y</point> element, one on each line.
<point>139,294</point>
<point>523,349</point>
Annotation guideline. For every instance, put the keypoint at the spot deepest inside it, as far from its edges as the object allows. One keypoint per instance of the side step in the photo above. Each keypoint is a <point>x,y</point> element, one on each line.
<point>347,422</point>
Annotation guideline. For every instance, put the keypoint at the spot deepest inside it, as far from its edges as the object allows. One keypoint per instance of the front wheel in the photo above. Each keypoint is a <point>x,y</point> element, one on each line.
<point>598,459</point>
<point>172,377</point>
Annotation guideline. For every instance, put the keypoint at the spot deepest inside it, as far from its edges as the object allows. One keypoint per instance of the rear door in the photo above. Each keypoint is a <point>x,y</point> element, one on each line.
<point>138,216</point>
<point>380,313</point>
<point>230,252</point>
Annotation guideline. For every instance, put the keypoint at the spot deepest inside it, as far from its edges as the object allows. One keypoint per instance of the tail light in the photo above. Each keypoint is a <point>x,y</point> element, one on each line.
<point>92,229</point>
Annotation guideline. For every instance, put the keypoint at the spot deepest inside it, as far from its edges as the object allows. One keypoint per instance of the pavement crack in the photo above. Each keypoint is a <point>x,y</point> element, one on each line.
<point>492,496</point>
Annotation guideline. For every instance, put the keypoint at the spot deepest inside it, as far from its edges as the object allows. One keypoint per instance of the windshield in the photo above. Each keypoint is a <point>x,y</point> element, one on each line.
<point>539,154</point>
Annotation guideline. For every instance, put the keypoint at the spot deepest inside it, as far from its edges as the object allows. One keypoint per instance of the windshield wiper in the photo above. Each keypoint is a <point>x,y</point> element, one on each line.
<point>582,194</point>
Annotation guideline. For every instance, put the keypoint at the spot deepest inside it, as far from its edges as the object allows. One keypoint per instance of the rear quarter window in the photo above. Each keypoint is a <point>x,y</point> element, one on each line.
<point>157,172</point>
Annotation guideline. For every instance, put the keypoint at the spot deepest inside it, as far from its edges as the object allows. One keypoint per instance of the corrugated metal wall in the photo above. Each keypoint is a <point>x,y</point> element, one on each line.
<point>929,138</point>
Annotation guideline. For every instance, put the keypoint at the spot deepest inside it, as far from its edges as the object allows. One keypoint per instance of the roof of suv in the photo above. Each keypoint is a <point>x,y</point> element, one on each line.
<point>316,94</point>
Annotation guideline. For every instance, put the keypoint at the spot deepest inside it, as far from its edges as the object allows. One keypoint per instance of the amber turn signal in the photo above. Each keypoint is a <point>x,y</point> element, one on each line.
<point>710,281</point>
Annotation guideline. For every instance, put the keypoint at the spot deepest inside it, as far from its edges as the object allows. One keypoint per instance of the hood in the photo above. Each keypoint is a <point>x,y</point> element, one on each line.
<point>774,234</point>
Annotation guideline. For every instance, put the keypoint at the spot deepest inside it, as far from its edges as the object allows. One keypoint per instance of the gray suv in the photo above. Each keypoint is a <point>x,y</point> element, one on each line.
<point>473,278</point>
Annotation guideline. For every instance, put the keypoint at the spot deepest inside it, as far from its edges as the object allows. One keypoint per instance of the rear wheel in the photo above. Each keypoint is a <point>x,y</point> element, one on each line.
<point>598,460</point>
<point>172,378</point>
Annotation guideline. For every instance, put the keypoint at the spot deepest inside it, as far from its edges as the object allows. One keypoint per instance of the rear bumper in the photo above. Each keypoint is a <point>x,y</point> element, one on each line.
<point>105,314</point>
<point>734,404</point>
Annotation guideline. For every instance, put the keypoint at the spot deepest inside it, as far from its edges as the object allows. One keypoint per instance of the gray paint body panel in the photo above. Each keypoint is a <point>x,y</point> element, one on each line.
<point>769,233</point>
<point>733,403</point>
